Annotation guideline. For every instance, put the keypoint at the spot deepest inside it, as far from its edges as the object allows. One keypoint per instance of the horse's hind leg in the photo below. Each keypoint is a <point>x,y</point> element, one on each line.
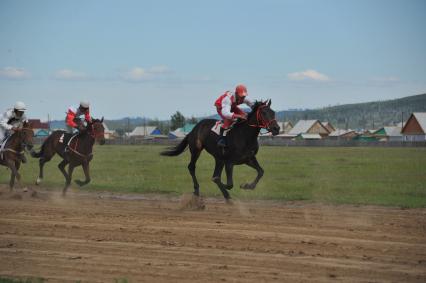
<point>71,167</point>
<point>43,160</point>
<point>61,167</point>
<point>41,163</point>
<point>217,178</point>
<point>254,164</point>
<point>229,169</point>
<point>86,174</point>
<point>195,154</point>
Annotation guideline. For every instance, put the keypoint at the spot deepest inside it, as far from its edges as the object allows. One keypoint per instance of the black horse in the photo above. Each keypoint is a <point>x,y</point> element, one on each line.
<point>11,156</point>
<point>242,146</point>
<point>76,152</point>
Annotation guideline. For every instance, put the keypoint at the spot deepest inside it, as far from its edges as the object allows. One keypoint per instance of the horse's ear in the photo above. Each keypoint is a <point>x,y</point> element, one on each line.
<point>269,103</point>
<point>102,120</point>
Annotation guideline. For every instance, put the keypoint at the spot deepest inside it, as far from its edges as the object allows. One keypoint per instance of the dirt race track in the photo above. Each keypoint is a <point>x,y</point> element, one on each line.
<point>104,238</point>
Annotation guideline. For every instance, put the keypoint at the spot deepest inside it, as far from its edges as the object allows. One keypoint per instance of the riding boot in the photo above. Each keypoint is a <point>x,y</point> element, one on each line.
<point>222,139</point>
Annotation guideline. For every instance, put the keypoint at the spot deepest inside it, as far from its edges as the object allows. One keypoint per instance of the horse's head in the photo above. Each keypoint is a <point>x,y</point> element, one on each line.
<point>96,130</point>
<point>263,116</point>
<point>25,135</point>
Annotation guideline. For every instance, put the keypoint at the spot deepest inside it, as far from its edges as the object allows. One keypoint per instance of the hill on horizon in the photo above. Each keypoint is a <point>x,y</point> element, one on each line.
<point>367,115</point>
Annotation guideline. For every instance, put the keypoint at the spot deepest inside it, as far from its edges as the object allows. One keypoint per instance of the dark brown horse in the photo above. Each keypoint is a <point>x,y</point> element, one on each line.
<point>74,153</point>
<point>242,146</point>
<point>14,149</point>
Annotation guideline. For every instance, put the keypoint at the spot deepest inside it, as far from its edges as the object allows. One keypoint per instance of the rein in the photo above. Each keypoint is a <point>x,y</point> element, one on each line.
<point>13,151</point>
<point>74,150</point>
<point>261,123</point>
<point>94,135</point>
<point>8,149</point>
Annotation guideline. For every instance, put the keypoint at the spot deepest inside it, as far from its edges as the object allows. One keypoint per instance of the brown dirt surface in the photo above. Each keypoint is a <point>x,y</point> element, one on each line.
<point>103,237</point>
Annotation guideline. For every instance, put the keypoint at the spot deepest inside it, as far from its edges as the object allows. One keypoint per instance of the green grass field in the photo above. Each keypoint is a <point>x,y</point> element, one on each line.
<point>380,176</point>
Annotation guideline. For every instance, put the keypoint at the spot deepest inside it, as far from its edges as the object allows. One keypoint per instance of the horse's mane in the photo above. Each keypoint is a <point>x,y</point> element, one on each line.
<point>256,105</point>
<point>253,111</point>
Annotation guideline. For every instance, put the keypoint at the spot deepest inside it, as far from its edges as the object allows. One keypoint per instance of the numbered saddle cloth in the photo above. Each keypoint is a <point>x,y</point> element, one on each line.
<point>217,126</point>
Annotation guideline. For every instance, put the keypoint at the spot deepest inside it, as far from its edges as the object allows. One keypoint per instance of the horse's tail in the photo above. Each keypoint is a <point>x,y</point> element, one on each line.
<point>174,151</point>
<point>39,154</point>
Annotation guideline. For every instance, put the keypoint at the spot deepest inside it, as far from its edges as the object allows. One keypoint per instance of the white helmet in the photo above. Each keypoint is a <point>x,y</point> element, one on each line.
<point>20,106</point>
<point>84,104</point>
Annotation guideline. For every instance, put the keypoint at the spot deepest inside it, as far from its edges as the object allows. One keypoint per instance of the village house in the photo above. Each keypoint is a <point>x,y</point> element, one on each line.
<point>388,134</point>
<point>40,129</point>
<point>341,134</point>
<point>415,127</point>
<point>312,127</point>
<point>328,126</point>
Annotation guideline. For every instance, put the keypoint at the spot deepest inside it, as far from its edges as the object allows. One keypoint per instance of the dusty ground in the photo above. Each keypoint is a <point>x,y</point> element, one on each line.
<point>102,238</point>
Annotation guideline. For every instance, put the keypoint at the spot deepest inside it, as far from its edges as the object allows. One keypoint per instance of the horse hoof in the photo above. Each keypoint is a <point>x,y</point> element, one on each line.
<point>80,183</point>
<point>229,187</point>
<point>247,186</point>
<point>38,181</point>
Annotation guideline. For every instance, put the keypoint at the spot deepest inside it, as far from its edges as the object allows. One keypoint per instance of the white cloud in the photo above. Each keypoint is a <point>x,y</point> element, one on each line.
<point>386,79</point>
<point>70,75</point>
<point>14,73</point>
<point>308,75</point>
<point>137,74</point>
<point>159,70</point>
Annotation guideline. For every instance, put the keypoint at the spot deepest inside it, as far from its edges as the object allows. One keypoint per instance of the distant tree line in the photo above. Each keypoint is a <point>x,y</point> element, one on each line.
<point>126,125</point>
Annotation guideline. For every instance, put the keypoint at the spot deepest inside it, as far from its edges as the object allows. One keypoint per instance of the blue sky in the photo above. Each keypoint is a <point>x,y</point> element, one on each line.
<point>151,58</point>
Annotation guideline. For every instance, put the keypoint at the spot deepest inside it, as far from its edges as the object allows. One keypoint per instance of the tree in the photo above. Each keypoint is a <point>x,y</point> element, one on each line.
<point>177,121</point>
<point>192,120</point>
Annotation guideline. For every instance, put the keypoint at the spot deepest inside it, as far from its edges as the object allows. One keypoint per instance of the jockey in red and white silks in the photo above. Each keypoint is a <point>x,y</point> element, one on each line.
<point>228,110</point>
<point>74,113</point>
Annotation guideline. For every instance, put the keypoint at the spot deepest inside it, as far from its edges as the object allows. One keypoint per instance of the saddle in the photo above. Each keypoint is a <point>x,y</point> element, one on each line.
<point>216,128</point>
<point>66,139</point>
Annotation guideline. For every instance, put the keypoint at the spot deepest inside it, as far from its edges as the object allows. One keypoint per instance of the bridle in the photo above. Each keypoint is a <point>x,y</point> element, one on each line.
<point>24,144</point>
<point>95,134</point>
<point>261,122</point>
<point>22,130</point>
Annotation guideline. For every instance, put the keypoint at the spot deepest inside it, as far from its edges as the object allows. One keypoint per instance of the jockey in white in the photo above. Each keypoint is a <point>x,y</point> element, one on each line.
<point>12,119</point>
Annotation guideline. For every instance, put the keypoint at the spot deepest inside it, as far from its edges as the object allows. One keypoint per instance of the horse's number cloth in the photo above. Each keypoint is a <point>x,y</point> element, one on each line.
<point>61,138</point>
<point>217,126</point>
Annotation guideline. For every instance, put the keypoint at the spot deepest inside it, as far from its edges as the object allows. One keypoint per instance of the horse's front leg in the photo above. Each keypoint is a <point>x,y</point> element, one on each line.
<point>253,164</point>
<point>13,173</point>
<point>86,171</point>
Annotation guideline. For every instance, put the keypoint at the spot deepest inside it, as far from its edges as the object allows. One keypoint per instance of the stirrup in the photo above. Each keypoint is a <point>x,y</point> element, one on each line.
<point>221,142</point>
